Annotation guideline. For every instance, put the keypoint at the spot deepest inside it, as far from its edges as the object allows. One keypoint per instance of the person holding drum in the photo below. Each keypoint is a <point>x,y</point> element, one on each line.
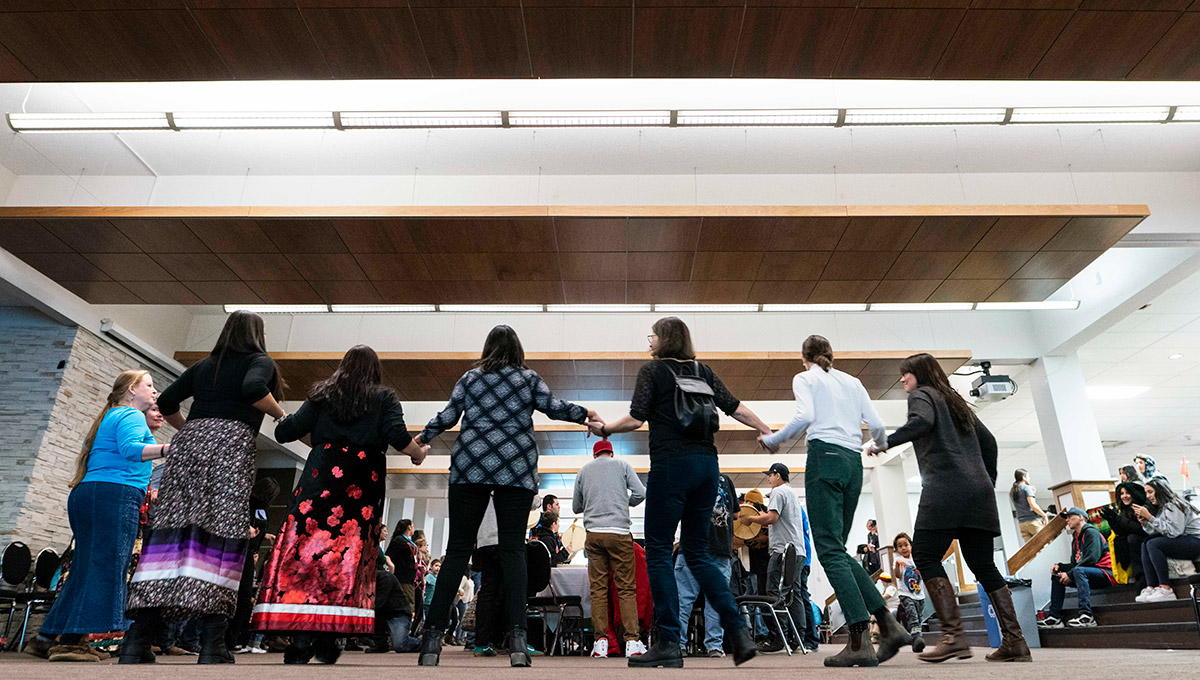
<point>605,489</point>
<point>785,527</point>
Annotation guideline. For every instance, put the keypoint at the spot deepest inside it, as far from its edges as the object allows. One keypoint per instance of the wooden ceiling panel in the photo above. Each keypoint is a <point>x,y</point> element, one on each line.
<point>163,292</point>
<point>590,234</point>
<point>375,236</point>
<point>65,267</point>
<point>1091,233</point>
<point>28,236</point>
<point>285,292</point>
<point>526,266</point>
<point>1016,290</point>
<point>896,43</point>
<point>1021,233</point>
<point>369,43</point>
<point>965,290</point>
<point>327,267</point>
<point>474,42</point>
<point>129,267</point>
<point>1114,43</point>
<point>792,266</point>
<point>102,292</point>
<point>1176,56</point>
<point>1056,264</point>
<point>223,292</point>
<point>155,44</point>
<point>879,233</point>
<point>341,292</point>
<point>580,42</point>
<point>261,266</point>
<point>842,291</point>
<point>658,234</point>
<point>791,42</point>
<point>950,233</point>
<point>61,46</point>
<point>91,236</point>
<point>160,235</point>
<point>393,266</point>
<point>850,266</point>
<point>984,47</point>
<point>898,290</point>
<point>668,266</point>
<point>594,292</point>
<point>303,236</point>
<point>990,265</point>
<point>736,233</point>
<point>593,266</point>
<point>689,292</point>
<point>712,266</point>
<point>782,292</point>
<point>263,43</point>
<point>807,233</point>
<point>925,265</point>
<point>231,235</point>
<point>685,42</point>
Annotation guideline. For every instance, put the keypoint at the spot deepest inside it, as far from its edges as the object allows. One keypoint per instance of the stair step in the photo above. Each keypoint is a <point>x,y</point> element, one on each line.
<point>1129,636</point>
<point>1178,611</point>
<point>1122,594</point>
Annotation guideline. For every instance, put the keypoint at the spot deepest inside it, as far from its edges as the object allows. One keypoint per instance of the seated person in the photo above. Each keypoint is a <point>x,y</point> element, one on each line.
<point>1090,567</point>
<point>1173,526</point>
<point>1129,535</point>
<point>546,531</point>
<point>393,613</point>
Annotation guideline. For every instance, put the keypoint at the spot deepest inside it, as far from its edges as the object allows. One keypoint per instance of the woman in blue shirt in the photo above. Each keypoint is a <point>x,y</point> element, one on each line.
<point>111,475</point>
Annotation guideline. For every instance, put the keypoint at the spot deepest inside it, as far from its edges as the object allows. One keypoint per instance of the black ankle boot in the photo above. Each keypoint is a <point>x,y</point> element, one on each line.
<point>744,648</point>
<point>518,654</point>
<point>300,651</point>
<point>136,647</point>
<point>662,655</point>
<point>212,640</point>
<point>431,647</point>
<point>327,648</point>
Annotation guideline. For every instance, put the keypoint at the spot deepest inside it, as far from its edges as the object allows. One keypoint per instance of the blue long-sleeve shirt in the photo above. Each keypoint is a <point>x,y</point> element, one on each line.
<point>116,454</point>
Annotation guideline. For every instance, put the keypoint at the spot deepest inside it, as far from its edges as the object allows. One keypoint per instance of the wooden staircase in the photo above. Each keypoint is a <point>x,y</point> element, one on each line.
<point>1126,624</point>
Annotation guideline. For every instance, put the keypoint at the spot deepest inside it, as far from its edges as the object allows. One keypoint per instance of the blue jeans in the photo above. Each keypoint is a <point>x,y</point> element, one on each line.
<point>689,591</point>
<point>1156,550</point>
<point>680,492</point>
<point>812,638</point>
<point>1084,579</point>
<point>401,641</point>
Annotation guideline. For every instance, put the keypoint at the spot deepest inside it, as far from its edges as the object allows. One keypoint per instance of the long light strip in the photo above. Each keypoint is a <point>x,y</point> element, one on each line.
<point>597,308</point>
<point>381,309</point>
<point>665,308</point>
<point>848,307</point>
<point>1027,306</point>
<point>922,306</point>
<point>685,309</point>
<point>352,120</point>
<point>490,308</point>
<point>278,309</point>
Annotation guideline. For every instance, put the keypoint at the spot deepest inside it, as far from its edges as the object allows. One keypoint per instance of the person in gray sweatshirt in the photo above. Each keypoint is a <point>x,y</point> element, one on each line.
<point>1174,528</point>
<point>605,489</point>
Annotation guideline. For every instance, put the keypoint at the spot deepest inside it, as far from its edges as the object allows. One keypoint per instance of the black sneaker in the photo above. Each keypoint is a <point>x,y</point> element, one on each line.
<point>1082,621</point>
<point>1050,622</point>
<point>770,647</point>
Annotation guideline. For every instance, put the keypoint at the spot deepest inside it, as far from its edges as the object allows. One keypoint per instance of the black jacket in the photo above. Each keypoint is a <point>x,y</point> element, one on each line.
<point>558,553</point>
<point>1088,549</point>
<point>958,471</point>
<point>390,601</point>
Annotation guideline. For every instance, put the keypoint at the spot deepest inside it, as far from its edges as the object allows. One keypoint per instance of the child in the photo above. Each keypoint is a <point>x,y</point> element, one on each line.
<point>909,587</point>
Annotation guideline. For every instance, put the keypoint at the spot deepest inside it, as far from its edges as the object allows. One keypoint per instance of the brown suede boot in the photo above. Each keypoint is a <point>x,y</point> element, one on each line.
<point>953,642</point>
<point>1013,647</point>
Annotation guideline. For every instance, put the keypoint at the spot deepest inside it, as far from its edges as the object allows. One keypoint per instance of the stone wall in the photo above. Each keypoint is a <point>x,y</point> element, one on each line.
<point>46,408</point>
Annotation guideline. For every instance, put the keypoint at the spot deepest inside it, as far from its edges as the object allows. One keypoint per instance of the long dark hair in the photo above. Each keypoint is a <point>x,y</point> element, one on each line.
<point>243,334</point>
<point>350,391</point>
<point>1131,473</point>
<point>1138,493</point>
<point>674,339</point>
<point>1019,474</point>
<point>817,350</point>
<point>929,373</point>
<point>1164,497</point>
<point>266,489</point>
<point>502,348</point>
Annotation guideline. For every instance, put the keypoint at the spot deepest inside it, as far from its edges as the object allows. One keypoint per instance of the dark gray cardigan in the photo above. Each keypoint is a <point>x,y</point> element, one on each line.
<point>958,472</point>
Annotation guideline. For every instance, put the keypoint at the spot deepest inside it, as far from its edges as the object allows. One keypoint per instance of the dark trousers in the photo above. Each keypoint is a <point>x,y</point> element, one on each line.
<point>680,493</point>
<point>832,484</point>
<point>789,594</point>
<point>812,637</point>
<point>1157,549</point>
<point>467,505</point>
<point>1084,579</point>
<point>1137,572</point>
<point>489,599</point>
<point>929,545</point>
<point>238,633</point>
<point>909,613</point>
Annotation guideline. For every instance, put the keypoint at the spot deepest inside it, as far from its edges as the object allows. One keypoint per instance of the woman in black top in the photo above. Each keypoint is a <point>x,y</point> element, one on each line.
<point>494,461</point>
<point>682,486</point>
<point>1130,532</point>
<point>957,458</point>
<point>192,564</point>
<point>320,577</point>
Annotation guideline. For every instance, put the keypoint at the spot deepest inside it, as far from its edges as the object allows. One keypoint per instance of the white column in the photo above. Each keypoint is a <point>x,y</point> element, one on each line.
<point>889,491</point>
<point>1068,425</point>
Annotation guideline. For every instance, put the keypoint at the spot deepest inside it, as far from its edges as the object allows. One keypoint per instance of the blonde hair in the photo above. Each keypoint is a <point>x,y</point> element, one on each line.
<point>121,386</point>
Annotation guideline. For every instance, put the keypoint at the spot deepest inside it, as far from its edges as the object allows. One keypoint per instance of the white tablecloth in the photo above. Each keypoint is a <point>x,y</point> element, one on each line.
<point>571,580</point>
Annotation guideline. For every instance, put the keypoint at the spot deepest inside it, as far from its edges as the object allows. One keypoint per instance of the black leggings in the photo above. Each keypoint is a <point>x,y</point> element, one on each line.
<point>929,545</point>
<point>467,505</point>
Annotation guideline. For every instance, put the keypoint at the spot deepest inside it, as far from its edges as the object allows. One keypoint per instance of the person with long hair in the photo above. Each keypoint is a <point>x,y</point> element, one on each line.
<point>682,486</point>
<point>191,566</point>
<point>957,456</point>
<point>1030,516</point>
<point>495,460</point>
<point>319,581</point>
<point>104,508</point>
<point>1130,534</point>
<point>832,407</point>
<point>1173,525</point>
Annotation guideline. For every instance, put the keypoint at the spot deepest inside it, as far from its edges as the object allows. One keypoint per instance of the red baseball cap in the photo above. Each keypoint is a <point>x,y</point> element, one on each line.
<point>602,446</point>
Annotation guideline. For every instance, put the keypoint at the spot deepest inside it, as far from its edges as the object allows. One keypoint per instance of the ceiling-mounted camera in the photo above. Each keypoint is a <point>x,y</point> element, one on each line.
<point>988,387</point>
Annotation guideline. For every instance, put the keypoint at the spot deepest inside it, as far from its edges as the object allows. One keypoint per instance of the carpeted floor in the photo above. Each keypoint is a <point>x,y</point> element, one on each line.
<point>1049,664</point>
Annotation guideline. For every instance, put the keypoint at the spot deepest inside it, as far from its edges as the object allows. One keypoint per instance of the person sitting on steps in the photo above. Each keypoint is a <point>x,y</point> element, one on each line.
<point>1090,567</point>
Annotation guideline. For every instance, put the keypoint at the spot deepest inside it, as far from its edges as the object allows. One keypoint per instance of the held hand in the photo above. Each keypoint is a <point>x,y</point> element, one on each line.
<point>420,456</point>
<point>871,449</point>
<point>773,448</point>
<point>253,532</point>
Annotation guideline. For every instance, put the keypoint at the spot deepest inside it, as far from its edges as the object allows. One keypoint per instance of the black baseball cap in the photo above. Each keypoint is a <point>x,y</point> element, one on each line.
<point>779,468</point>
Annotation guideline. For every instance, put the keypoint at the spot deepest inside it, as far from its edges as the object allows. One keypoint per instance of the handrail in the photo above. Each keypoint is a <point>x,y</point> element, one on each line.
<point>1037,544</point>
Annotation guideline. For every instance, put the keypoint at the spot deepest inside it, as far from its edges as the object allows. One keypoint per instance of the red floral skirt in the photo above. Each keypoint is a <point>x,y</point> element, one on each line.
<point>321,573</point>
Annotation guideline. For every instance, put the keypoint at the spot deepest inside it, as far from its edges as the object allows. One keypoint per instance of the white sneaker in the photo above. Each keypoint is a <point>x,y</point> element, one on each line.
<point>600,649</point>
<point>634,648</point>
<point>257,650</point>
<point>243,649</point>
<point>1161,595</point>
<point>1146,592</point>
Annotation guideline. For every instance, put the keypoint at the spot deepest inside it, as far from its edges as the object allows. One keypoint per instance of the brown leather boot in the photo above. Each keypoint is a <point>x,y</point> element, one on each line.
<point>1013,647</point>
<point>953,642</point>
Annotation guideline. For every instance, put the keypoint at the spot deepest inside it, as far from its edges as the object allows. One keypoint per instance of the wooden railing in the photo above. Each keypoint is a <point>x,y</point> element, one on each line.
<point>1036,544</point>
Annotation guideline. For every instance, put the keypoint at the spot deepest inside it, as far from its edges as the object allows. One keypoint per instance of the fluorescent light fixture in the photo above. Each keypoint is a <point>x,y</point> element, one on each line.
<point>849,307</point>
<point>259,120</point>
<point>1115,391</point>
<point>587,118</point>
<point>684,309</point>
<point>490,308</point>
<point>921,306</point>
<point>1187,114</point>
<point>924,116</point>
<point>86,122</point>
<point>421,119</point>
<point>749,118</point>
<point>1033,306</point>
<point>597,308</point>
<point>1092,114</point>
<point>277,309</point>
<point>1174,356</point>
<point>382,309</point>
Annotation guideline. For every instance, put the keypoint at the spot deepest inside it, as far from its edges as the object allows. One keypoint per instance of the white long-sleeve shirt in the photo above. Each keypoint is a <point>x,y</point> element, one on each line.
<point>832,406</point>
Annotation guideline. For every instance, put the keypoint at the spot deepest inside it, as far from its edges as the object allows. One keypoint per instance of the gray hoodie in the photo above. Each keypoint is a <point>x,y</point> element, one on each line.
<point>605,489</point>
<point>1173,521</point>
